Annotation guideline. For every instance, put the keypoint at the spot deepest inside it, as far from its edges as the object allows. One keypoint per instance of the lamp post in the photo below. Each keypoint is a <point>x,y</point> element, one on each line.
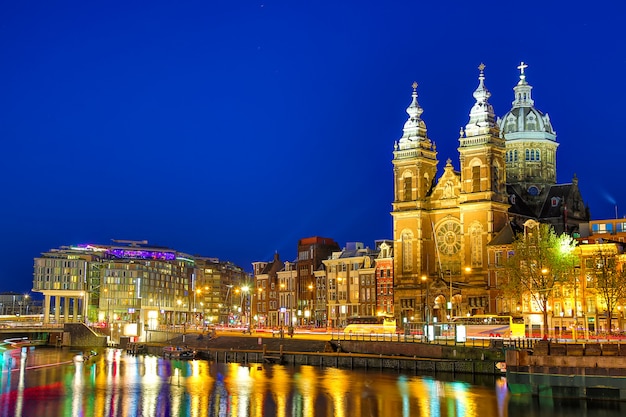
<point>245,290</point>
<point>160,311</point>
<point>310,303</point>
<point>195,305</point>
<point>424,299</point>
<point>24,304</point>
<point>283,304</point>
<point>450,303</point>
<point>258,317</point>
<point>426,308</point>
<point>108,317</point>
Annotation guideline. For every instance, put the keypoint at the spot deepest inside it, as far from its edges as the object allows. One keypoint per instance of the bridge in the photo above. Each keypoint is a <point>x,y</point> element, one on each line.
<point>59,334</point>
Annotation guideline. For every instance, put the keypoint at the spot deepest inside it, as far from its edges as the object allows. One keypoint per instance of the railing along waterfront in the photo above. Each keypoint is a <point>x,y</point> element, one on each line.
<point>494,342</point>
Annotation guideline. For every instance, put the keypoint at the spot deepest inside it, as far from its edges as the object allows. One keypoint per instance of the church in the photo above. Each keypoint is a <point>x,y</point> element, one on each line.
<point>442,226</point>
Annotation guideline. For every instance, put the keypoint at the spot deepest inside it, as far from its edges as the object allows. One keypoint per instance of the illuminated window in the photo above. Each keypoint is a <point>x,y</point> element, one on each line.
<point>602,228</point>
<point>476,178</point>
<point>408,184</point>
<point>498,258</point>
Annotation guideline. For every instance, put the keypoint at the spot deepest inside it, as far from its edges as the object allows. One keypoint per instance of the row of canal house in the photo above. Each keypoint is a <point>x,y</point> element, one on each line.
<point>324,286</point>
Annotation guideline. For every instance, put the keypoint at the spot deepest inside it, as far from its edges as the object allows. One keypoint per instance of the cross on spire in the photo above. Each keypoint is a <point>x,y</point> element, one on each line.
<point>481,67</point>
<point>414,85</point>
<point>521,67</point>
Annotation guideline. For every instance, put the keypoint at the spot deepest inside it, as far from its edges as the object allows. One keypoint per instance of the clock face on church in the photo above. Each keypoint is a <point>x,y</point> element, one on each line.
<point>449,238</point>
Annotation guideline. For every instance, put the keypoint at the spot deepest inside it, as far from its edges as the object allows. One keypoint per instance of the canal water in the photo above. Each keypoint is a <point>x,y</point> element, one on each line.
<point>52,382</point>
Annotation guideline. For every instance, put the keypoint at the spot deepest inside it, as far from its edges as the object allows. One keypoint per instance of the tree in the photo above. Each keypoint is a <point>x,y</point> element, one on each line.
<point>537,262</point>
<point>609,277</point>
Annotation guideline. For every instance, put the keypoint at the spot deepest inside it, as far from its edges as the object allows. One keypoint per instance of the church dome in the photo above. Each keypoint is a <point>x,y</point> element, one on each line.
<point>524,118</point>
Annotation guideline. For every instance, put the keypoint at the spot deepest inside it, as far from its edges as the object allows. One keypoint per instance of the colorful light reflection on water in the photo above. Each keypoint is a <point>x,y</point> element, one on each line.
<point>47,382</point>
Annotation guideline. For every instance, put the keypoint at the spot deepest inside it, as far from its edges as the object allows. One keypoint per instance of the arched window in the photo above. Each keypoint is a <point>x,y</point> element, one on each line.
<point>408,187</point>
<point>425,186</point>
<point>476,178</point>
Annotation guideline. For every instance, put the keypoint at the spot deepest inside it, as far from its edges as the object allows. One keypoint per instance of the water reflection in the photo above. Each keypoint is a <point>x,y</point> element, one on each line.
<point>47,382</point>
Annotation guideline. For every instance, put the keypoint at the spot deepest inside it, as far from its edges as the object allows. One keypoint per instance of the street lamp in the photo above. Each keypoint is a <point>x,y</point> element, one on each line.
<point>244,299</point>
<point>258,317</point>
<point>199,293</point>
<point>108,317</point>
<point>310,303</point>
<point>450,302</point>
<point>283,304</point>
<point>424,298</point>
<point>26,297</point>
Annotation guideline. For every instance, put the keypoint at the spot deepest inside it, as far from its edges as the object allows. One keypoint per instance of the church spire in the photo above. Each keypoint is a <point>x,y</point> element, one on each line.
<point>414,110</point>
<point>482,117</point>
<point>414,131</point>
<point>522,89</point>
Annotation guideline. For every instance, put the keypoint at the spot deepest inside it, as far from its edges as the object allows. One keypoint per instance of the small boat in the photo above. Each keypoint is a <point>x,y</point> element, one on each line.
<point>177,352</point>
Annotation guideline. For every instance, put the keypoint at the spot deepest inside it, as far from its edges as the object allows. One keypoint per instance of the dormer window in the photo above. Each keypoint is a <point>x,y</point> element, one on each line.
<point>531,122</point>
<point>510,123</point>
<point>555,201</point>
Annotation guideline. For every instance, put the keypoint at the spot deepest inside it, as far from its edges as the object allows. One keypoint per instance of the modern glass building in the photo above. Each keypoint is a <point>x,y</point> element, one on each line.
<point>128,286</point>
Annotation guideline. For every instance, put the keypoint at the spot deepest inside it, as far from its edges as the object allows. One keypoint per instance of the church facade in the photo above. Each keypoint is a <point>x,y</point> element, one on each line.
<point>442,226</point>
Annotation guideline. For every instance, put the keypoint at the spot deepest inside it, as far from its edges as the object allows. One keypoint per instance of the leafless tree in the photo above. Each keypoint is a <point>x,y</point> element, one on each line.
<point>609,276</point>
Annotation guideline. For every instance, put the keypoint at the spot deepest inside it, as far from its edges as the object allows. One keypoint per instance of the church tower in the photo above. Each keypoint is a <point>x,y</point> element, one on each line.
<point>530,142</point>
<point>483,199</point>
<point>414,172</point>
<point>441,226</point>
<point>531,167</point>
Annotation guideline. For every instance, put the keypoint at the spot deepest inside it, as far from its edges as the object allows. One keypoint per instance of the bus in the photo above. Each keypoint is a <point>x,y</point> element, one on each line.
<point>370,324</point>
<point>490,325</point>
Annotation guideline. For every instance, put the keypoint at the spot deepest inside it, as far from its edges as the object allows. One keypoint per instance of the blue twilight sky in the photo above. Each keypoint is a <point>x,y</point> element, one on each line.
<point>231,128</point>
